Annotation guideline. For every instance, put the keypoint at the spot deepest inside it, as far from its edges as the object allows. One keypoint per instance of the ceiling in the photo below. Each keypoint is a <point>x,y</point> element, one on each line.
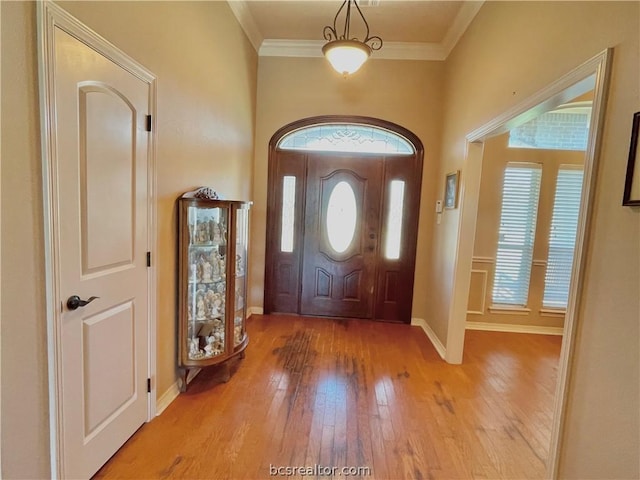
<point>414,30</point>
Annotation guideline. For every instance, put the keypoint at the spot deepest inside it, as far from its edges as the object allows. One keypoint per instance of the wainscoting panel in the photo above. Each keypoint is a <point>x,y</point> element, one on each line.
<point>532,318</point>
<point>477,292</point>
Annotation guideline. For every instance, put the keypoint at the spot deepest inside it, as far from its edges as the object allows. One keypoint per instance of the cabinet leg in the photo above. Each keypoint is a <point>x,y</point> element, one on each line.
<point>183,379</point>
<point>226,374</point>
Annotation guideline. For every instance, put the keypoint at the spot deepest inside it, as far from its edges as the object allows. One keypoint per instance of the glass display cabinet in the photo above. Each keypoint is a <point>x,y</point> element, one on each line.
<point>212,285</point>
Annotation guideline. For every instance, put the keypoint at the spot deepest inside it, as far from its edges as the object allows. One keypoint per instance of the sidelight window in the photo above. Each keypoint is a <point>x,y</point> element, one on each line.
<point>288,213</point>
<point>394,220</point>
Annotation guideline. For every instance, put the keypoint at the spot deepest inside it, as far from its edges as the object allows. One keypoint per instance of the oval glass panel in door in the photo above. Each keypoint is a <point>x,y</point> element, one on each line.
<point>342,216</point>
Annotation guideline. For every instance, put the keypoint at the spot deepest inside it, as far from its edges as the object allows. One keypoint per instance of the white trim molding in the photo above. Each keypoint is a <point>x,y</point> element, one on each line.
<point>272,47</point>
<point>465,16</point>
<point>256,311</point>
<point>290,48</point>
<point>411,51</point>
<point>487,260</point>
<point>573,84</point>
<point>593,74</point>
<point>508,310</point>
<point>505,327</point>
<point>431,335</point>
<point>167,398</point>
<point>50,17</point>
<point>485,275</point>
<point>247,22</point>
<point>0,275</point>
<point>313,49</point>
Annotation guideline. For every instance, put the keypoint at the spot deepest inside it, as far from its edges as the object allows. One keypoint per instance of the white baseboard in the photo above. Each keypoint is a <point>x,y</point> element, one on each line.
<point>167,397</point>
<point>174,390</point>
<point>437,344</point>
<point>504,327</point>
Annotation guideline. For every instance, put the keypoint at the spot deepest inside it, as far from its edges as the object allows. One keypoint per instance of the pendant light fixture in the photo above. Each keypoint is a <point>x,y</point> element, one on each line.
<point>346,54</point>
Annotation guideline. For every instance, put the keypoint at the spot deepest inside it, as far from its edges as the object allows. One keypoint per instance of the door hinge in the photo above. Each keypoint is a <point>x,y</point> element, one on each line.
<point>148,123</point>
<point>148,385</point>
<point>148,259</point>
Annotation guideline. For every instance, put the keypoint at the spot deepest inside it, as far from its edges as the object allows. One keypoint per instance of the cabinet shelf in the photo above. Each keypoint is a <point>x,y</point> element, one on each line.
<point>212,260</point>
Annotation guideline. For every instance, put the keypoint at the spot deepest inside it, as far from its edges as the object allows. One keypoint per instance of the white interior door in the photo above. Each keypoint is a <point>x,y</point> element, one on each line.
<point>102,190</point>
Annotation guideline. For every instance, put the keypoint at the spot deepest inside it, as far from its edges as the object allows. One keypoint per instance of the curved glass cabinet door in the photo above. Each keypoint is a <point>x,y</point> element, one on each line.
<point>242,239</point>
<point>207,256</point>
<point>212,285</point>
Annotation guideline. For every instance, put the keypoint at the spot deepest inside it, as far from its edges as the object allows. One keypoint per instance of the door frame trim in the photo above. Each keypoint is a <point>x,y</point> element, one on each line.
<point>49,17</point>
<point>598,67</point>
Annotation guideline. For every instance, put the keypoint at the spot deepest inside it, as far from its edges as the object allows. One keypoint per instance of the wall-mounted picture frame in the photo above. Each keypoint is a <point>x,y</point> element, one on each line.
<point>451,189</point>
<point>631,195</point>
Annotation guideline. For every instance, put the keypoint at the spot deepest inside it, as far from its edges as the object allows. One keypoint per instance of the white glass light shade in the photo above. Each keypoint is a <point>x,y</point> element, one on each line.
<point>346,56</point>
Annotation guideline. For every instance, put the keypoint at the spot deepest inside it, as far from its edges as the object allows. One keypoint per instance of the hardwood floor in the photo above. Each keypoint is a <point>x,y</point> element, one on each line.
<point>356,393</point>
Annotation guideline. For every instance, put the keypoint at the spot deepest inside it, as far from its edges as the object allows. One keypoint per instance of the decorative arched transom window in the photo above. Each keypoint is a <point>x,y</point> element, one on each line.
<point>347,137</point>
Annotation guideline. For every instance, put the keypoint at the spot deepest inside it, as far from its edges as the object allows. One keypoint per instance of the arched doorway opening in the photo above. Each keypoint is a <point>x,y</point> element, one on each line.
<point>342,218</point>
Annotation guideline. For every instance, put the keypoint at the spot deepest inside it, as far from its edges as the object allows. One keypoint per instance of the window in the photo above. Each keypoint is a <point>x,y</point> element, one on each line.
<point>562,237</point>
<point>288,213</point>
<point>566,128</point>
<point>520,193</point>
<point>342,217</point>
<point>394,220</point>
<point>342,137</point>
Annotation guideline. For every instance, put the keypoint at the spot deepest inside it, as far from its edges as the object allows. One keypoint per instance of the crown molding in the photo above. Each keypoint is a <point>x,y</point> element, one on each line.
<point>391,51</point>
<point>411,51</point>
<point>247,22</point>
<point>291,48</point>
<point>463,19</point>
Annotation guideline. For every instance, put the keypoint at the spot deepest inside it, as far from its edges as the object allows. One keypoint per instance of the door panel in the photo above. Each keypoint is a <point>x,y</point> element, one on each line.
<point>396,275</point>
<point>107,169</point>
<point>109,382</point>
<point>282,266</point>
<point>338,276</point>
<point>102,180</point>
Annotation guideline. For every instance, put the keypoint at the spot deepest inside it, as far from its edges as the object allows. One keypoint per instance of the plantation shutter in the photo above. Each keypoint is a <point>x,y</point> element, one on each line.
<point>520,193</point>
<point>562,237</point>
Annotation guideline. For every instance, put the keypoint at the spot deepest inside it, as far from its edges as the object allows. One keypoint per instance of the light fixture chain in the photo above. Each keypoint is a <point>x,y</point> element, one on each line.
<point>347,22</point>
<point>331,32</point>
<point>376,42</point>
<point>347,54</point>
<point>366,37</point>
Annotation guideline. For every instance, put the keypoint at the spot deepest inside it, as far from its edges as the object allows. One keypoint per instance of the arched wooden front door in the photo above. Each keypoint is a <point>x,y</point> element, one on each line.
<point>342,218</point>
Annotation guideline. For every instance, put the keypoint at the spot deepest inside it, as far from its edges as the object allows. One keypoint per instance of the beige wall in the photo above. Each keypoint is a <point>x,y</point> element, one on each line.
<point>496,155</point>
<point>25,441</point>
<point>408,93</point>
<point>510,51</point>
<point>207,73</point>
<point>205,131</point>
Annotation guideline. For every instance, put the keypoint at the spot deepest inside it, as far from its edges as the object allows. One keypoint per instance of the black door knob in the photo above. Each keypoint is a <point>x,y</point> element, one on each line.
<point>74,301</point>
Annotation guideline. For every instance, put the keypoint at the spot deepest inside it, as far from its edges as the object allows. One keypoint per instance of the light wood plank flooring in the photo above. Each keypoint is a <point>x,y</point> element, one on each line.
<point>356,393</point>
